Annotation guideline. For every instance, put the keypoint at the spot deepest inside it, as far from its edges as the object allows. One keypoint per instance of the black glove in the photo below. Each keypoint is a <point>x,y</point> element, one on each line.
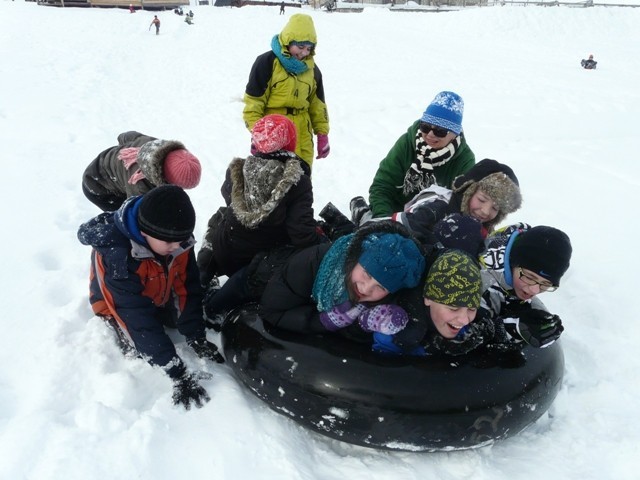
<point>536,327</point>
<point>187,390</point>
<point>205,349</point>
<point>479,332</point>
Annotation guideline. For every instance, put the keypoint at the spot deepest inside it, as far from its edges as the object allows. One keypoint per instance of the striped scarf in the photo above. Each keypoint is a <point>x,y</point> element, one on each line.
<point>420,174</point>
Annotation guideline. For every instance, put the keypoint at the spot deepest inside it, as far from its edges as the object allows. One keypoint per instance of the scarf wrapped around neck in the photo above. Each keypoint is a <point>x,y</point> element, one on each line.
<point>329,288</point>
<point>289,63</point>
<point>420,174</point>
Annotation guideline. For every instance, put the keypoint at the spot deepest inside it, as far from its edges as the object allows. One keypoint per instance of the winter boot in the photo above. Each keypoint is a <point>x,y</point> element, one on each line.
<point>360,211</point>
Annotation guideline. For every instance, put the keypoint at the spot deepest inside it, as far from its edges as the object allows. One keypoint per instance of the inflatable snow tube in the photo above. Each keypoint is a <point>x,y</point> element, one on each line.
<point>343,390</point>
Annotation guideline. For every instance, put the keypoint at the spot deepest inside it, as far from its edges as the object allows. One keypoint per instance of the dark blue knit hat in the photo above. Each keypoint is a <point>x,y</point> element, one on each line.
<point>393,260</point>
<point>460,232</point>
<point>445,111</point>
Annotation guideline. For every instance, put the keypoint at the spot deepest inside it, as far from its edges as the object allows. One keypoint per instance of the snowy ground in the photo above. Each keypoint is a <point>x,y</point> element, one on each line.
<point>72,79</point>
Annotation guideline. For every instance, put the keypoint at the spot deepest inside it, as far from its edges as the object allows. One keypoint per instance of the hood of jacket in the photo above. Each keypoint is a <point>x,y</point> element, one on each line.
<point>112,229</point>
<point>151,158</point>
<point>299,28</point>
<point>496,180</point>
<point>260,183</point>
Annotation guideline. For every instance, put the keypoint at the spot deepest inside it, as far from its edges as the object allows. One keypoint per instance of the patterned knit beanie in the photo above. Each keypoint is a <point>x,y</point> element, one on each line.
<point>166,213</point>
<point>182,168</point>
<point>445,111</point>
<point>454,280</point>
<point>393,260</point>
<point>274,132</point>
<point>543,250</point>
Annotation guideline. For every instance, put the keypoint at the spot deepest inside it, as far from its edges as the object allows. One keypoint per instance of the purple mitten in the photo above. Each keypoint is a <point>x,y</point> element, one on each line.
<point>341,315</point>
<point>323,145</point>
<point>387,319</point>
<point>254,150</point>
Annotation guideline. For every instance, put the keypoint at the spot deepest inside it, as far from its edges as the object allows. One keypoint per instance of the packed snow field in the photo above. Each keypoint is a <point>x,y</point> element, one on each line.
<point>72,79</point>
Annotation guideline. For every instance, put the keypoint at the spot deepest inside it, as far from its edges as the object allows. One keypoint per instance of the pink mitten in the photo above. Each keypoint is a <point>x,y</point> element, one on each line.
<point>323,145</point>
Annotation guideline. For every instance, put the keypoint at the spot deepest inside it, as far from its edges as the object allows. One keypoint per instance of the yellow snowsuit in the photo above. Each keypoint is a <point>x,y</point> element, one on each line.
<point>272,89</point>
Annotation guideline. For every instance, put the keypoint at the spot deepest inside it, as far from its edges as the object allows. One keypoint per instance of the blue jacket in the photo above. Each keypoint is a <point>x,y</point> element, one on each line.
<point>139,288</point>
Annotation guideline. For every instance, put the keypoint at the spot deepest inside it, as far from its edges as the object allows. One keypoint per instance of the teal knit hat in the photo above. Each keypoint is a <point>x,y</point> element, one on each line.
<point>393,260</point>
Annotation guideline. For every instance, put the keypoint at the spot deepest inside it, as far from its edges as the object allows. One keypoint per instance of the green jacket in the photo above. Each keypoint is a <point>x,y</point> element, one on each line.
<point>271,89</point>
<point>385,193</point>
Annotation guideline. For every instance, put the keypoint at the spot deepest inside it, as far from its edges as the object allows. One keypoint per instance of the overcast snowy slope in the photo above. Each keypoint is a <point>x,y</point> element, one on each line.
<point>73,79</point>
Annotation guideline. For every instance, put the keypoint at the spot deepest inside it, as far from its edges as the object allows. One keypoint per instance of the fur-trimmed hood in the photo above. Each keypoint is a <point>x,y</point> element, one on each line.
<point>259,184</point>
<point>496,180</point>
<point>151,158</point>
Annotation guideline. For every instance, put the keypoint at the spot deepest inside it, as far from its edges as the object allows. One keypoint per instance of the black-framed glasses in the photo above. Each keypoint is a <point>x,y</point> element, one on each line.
<point>529,280</point>
<point>437,131</point>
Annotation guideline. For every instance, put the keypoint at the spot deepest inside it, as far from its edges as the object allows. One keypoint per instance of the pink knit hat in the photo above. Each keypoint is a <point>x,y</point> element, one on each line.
<point>182,168</point>
<point>274,132</point>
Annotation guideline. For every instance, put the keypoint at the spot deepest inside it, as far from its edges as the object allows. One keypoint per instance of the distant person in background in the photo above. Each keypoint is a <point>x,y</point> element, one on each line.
<point>188,19</point>
<point>156,22</point>
<point>282,8</point>
<point>136,165</point>
<point>286,80</point>
<point>589,64</point>
<point>131,9</point>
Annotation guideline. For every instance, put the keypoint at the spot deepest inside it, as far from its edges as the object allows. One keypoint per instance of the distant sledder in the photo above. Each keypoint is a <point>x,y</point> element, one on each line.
<point>589,64</point>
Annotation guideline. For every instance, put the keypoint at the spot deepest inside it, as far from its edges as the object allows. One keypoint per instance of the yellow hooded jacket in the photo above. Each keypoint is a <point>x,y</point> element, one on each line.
<point>271,89</point>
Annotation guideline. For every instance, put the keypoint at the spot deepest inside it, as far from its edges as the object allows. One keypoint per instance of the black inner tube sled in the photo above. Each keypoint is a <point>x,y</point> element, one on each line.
<point>343,390</point>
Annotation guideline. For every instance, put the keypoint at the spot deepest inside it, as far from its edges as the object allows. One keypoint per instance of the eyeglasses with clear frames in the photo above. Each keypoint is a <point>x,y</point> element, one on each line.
<point>529,280</point>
